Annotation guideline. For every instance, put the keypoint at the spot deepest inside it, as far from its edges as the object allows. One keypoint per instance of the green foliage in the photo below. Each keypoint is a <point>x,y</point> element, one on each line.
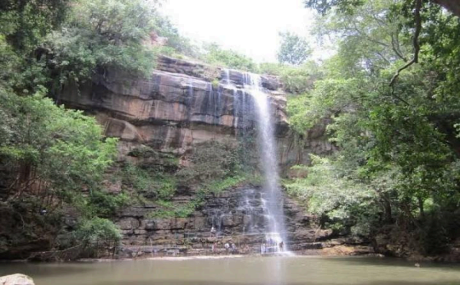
<point>48,143</point>
<point>215,83</point>
<point>104,34</point>
<point>175,41</point>
<point>323,6</point>
<point>216,166</point>
<point>214,54</point>
<point>170,210</point>
<point>226,183</point>
<point>25,23</point>
<point>103,204</point>
<point>340,199</point>
<point>293,49</point>
<point>92,231</point>
<point>398,151</point>
<point>295,79</point>
<point>150,184</point>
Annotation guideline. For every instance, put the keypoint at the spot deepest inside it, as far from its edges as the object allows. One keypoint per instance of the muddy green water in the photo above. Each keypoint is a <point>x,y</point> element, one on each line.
<point>247,270</point>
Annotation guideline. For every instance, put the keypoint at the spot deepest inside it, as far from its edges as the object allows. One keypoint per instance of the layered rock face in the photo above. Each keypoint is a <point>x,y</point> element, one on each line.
<point>237,215</point>
<point>180,105</point>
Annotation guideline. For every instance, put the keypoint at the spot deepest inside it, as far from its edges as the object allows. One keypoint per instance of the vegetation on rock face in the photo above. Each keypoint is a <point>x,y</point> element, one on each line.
<point>398,159</point>
<point>214,167</point>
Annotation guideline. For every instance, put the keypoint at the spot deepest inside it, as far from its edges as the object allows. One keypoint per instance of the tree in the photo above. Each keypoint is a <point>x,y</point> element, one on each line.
<point>400,141</point>
<point>322,6</point>
<point>26,22</point>
<point>101,35</point>
<point>49,151</point>
<point>293,50</point>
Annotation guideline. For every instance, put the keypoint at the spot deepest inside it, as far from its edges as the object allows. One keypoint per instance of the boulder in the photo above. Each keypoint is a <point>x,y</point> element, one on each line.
<point>16,279</point>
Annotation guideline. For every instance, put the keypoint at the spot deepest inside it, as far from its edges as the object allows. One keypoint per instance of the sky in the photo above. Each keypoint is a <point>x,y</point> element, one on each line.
<point>247,26</point>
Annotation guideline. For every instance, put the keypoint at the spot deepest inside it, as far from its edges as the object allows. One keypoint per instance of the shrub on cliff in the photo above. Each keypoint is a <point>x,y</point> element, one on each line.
<point>148,183</point>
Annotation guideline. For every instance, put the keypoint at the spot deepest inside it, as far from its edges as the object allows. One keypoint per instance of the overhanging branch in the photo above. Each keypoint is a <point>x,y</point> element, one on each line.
<point>415,43</point>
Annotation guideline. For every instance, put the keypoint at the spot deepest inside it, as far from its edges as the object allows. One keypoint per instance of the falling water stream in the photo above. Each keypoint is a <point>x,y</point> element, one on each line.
<point>253,100</point>
<point>268,159</point>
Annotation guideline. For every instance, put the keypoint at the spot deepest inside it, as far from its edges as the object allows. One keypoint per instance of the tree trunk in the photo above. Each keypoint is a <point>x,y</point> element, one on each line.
<point>421,207</point>
<point>388,211</point>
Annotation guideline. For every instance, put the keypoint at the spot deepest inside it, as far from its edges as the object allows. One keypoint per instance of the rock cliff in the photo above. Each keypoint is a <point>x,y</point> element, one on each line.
<point>179,106</point>
<point>182,104</point>
<point>238,217</point>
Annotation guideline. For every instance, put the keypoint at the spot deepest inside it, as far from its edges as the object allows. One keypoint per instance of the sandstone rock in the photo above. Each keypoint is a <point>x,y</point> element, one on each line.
<point>200,223</point>
<point>16,279</point>
<point>179,223</point>
<point>175,107</point>
<point>162,224</point>
<point>140,232</point>
<point>129,224</point>
<point>149,225</point>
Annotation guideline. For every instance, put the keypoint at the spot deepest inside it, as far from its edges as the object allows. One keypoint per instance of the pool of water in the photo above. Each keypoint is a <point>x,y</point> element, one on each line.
<point>246,270</point>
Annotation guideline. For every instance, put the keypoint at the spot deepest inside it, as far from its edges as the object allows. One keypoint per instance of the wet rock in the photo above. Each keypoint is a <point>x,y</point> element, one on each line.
<point>16,279</point>
<point>227,221</point>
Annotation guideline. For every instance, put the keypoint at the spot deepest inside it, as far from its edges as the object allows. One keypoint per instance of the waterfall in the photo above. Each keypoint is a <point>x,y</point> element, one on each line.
<point>268,159</point>
<point>263,211</point>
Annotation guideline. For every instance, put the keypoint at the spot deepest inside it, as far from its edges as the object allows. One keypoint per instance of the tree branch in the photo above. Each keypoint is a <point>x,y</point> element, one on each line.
<point>396,49</point>
<point>415,43</point>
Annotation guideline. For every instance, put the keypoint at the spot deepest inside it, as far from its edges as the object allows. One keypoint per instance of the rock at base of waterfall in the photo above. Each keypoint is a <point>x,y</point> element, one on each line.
<point>16,279</point>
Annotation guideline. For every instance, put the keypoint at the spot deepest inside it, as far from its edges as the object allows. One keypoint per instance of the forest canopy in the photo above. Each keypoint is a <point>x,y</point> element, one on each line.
<point>391,92</point>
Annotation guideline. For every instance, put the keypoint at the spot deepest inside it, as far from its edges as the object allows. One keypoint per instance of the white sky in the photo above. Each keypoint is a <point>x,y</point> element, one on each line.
<point>247,26</point>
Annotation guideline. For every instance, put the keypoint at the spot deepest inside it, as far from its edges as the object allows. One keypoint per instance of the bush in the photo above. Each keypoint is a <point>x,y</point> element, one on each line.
<point>105,204</point>
<point>214,54</point>
<point>97,232</point>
